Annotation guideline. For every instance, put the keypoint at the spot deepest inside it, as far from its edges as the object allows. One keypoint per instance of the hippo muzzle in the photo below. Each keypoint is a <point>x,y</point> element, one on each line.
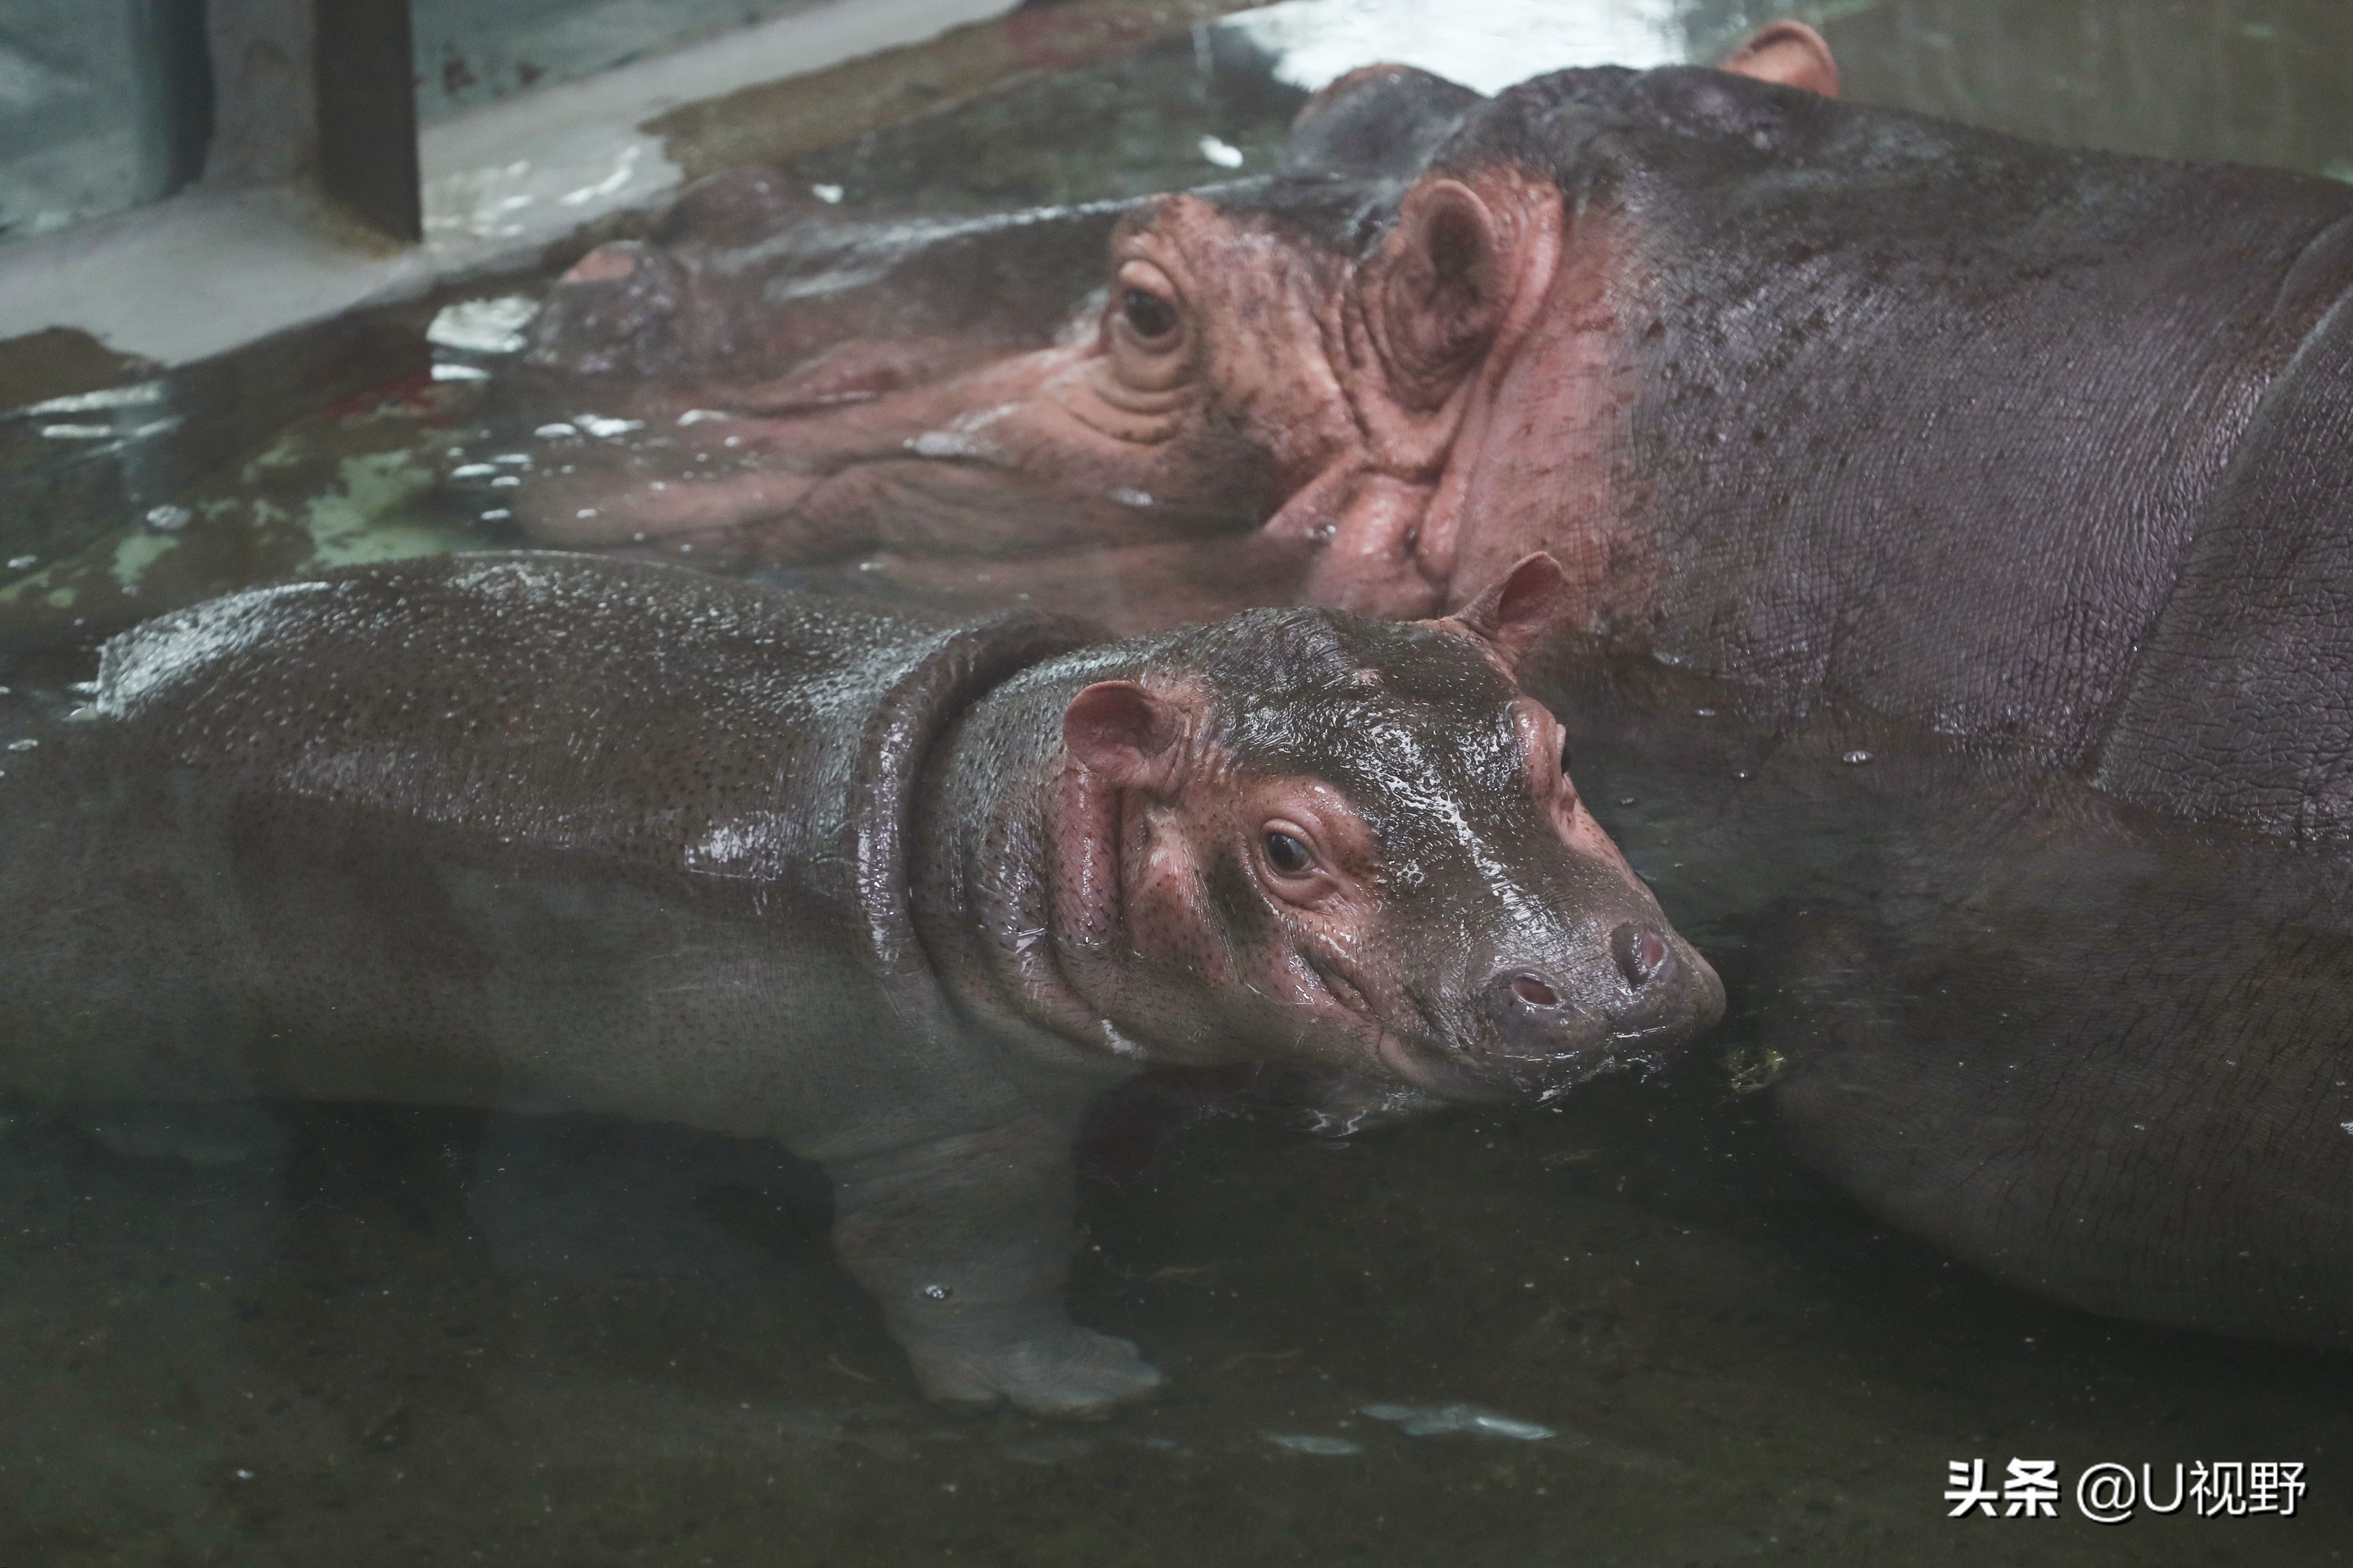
<point>1544,1029</point>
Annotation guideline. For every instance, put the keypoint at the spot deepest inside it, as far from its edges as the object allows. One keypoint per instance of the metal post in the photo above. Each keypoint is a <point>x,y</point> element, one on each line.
<point>364,73</point>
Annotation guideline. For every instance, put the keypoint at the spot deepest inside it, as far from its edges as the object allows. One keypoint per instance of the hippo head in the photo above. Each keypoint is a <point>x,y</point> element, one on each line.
<point>1309,838</point>
<point>1312,359</point>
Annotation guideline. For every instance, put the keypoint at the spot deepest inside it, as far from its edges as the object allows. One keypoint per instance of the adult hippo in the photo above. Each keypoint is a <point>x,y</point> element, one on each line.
<point>1841,402</point>
<point>2034,458</point>
<point>539,833</point>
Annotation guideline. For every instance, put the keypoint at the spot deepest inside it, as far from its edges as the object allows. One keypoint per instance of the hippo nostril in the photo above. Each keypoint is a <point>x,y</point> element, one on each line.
<point>1640,953</point>
<point>1534,991</point>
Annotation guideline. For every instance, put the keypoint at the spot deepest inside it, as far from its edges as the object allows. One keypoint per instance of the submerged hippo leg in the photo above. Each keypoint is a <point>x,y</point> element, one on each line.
<point>967,1244</point>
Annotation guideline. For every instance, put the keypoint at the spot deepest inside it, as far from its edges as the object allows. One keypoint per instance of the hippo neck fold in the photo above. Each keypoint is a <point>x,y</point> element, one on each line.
<point>989,818</point>
<point>906,729</point>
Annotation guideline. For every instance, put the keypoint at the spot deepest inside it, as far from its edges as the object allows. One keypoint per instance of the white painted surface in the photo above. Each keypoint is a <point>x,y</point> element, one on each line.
<point>205,272</point>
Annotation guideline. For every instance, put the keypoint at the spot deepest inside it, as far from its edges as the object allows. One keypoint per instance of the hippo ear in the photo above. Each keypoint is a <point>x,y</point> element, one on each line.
<point>1517,611</point>
<point>1788,52</point>
<point>1125,734</point>
<point>1446,291</point>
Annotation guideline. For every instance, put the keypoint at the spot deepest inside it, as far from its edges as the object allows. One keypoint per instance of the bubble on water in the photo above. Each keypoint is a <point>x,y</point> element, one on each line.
<point>697,416</point>
<point>1626,800</point>
<point>513,460</point>
<point>829,195</point>
<point>1704,712</point>
<point>506,481</point>
<point>483,326</point>
<point>937,1292</point>
<point>443,370</point>
<point>1462,1420</point>
<point>22,562</point>
<point>169,519</point>
<point>550,432</point>
<point>1132,498</point>
<point>1855,759</point>
<point>585,511</point>
<point>1309,1443</point>
<point>605,429</point>
<point>472,471</point>
<point>1224,155</point>
<point>497,514</point>
<point>27,744</point>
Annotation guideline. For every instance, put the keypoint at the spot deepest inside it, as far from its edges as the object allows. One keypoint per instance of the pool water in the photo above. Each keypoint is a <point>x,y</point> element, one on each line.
<point>1629,1328</point>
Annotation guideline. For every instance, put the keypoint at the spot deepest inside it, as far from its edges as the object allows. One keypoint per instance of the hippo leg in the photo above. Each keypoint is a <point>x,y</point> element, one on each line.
<point>967,1244</point>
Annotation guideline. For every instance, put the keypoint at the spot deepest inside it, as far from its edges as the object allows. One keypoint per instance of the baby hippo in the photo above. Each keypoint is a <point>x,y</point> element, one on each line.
<point>543,833</point>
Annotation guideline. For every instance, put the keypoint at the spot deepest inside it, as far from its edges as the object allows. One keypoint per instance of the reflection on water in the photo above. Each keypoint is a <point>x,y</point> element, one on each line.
<point>1316,41</point>
<point>1629,1329</point>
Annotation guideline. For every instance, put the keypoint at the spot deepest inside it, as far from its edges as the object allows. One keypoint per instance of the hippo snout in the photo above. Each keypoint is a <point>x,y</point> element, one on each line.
<point>1551,1031</point>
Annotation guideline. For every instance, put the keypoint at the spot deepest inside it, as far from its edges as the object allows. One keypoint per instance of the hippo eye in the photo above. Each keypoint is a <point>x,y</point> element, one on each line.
<point>1287,855</point>
<point>1150,316</point>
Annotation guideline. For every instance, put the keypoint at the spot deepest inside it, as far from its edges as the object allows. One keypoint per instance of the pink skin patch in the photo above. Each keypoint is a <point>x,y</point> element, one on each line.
<point>602,264</point>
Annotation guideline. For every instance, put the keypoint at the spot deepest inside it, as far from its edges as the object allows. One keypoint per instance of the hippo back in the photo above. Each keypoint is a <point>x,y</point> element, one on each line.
<point>1926,418</point>
<point>531,831</point>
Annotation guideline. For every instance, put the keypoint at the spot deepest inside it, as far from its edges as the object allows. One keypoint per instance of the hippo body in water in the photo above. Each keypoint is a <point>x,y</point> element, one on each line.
<point>544,832</point>
<point>1844,404</point>
<point>2036,457</point>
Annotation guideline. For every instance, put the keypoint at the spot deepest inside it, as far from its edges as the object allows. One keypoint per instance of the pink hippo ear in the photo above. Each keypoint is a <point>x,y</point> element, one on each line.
<point>1448,287</point>
<point>1517,612</point>
<point>1788,52</point>
<point>1126,736</point>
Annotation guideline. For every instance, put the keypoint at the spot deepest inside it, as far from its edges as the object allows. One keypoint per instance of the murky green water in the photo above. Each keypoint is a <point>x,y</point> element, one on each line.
<point>406,1336</point>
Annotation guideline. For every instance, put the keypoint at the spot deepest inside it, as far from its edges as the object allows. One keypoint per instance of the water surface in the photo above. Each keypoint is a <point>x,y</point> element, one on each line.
<point>1629,1329</point>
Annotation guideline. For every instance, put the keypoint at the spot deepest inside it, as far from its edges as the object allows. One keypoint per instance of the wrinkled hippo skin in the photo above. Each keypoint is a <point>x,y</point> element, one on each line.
<point>2030,452</point>
<point>1842,404</point>
<point>555,833</point>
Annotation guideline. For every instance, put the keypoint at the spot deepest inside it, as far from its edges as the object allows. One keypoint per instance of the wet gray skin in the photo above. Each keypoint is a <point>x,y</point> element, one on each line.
<point>538,834</point>
<point>2028,450</point>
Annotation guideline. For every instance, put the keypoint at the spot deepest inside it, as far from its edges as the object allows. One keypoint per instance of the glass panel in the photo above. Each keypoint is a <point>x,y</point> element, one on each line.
<point>471,51</point>
<point>102,106</point>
